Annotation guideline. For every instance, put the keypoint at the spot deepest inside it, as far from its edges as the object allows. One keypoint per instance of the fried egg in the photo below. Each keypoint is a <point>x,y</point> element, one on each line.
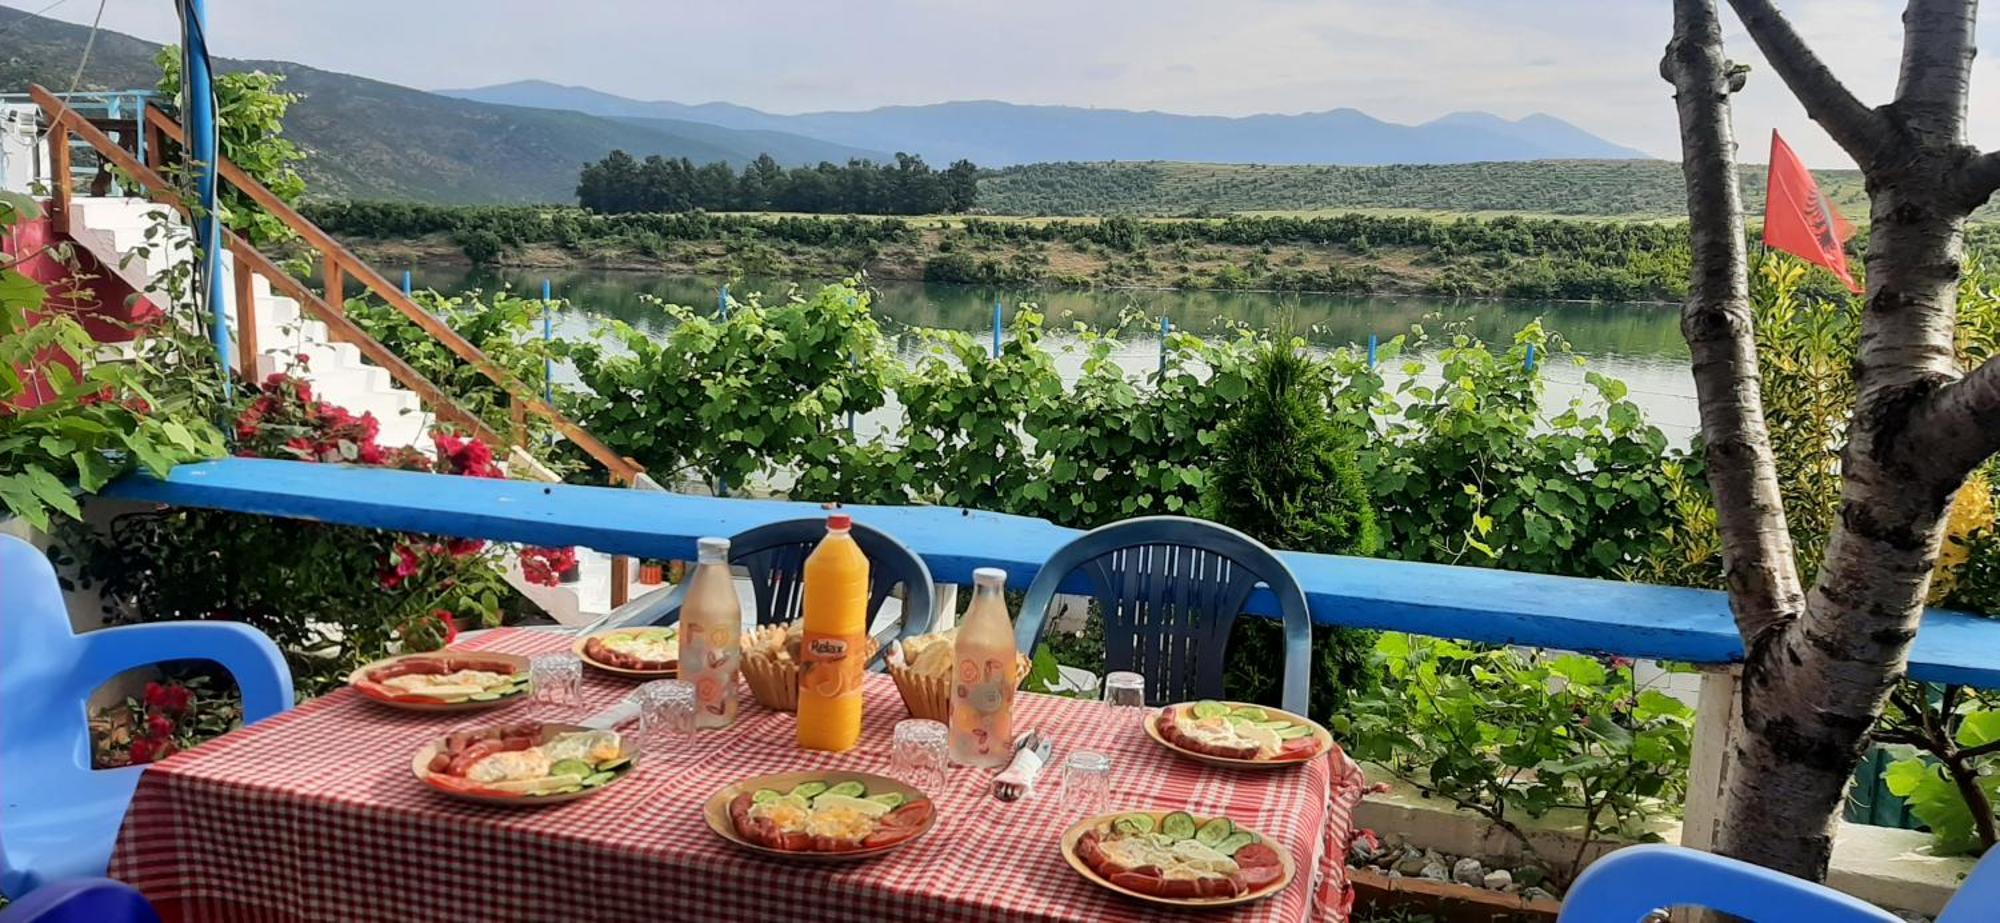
<point>588,746</point>
<point>463,682</point>
<point>788,814</point>
<point>1224,732</point>
<point>510,766</point>
<point>658,646</point>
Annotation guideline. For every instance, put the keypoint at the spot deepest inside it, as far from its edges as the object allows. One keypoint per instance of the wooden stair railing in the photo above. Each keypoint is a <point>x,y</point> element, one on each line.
<point>330,309</point>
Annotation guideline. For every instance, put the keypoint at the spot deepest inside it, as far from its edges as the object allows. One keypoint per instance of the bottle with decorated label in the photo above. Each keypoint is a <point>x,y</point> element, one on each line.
<point>982,694</point>
<point>834,651</point>
<point>711,635</point>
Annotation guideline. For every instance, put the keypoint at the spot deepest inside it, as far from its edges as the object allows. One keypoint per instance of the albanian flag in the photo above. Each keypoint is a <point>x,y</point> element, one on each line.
<point>1799,220</point>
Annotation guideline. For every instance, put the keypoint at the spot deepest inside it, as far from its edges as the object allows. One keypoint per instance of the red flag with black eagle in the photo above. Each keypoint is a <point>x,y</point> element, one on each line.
<point>1799,220</point>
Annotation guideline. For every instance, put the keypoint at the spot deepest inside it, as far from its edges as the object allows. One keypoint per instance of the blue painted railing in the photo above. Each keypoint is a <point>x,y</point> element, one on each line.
<point>1474,604</point>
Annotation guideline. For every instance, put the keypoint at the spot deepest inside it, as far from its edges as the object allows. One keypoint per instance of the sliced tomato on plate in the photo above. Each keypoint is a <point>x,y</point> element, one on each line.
<point>914,815</point>
<point>1257,855</point>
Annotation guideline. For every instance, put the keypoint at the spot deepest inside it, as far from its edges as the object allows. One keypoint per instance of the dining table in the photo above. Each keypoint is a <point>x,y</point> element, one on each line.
<point>316,815</point>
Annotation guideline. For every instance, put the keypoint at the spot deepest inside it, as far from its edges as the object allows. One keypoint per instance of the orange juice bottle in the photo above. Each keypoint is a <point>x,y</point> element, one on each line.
<point>833,652</point>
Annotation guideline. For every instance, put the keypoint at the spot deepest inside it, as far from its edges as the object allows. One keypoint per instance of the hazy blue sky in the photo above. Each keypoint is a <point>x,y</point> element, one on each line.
<point>1593,62</point>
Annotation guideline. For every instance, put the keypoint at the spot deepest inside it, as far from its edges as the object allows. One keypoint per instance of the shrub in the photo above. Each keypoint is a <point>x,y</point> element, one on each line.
<point>1285,475</point>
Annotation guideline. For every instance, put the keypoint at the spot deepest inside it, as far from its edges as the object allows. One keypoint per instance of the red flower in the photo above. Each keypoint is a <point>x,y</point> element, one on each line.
<point>468,457</point>
<point>405,566</point>
<point>156,695</point>
<point>143,751</point>
<point>545,566</point>
<point>159,727</point>
<point>303,359</point>
<point>450,626</point>
<point>462,547</point>
<point>178,699</point>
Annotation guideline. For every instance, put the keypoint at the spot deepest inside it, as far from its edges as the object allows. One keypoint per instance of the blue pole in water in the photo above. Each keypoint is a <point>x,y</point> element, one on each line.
<point>1166,327</point>
<point>1531,357</point>
<point>1371,350</point>
<point>722,302</point>
<point>996,328</point>
<point>548,335</point>
<point>201,144</point>
<point>406,283</point>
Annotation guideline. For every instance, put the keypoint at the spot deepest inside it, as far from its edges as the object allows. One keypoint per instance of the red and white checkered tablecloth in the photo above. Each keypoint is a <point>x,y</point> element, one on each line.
<point>313,816</point>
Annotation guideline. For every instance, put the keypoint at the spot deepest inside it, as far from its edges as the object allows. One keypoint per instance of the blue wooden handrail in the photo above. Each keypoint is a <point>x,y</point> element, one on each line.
<point>1473,604</point>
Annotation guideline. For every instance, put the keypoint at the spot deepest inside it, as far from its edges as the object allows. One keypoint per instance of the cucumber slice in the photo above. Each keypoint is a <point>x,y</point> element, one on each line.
<point>598,778</point>
<point>850,789</point>
<point>892,799</point>
<point>1209,709</point>
<point>1294,732</point>
<point>1133,823</point>
<point>1215,831</point>
<point>1235,841</point>
<point>1178,825</point>
<point>1238,721</point>
<point>577,768</point>
<point>614,765</point>
<point>483,696</point>
<point>763,795</point>
<point>807,790</point>
<point>1278,725</point>
<point>1252,713</point>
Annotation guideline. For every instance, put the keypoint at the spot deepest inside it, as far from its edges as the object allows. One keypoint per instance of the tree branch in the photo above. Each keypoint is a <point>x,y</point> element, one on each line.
<point>1936,75</point>
<point>1760,568</point>
<point>1858,129</point>
<point>1980,179</point>
<point>1959,427</point>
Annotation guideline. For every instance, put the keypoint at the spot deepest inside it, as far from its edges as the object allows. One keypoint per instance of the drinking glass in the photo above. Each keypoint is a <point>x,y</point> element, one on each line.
<point>557,679</point>
<point>918,755</point>
<point>666,717</point>
<point>1086,785</point>
<point>1124,703</point>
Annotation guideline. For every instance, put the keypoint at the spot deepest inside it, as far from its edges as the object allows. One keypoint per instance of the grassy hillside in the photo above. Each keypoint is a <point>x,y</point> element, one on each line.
<point>369,139</point>
<point>1581,188</point>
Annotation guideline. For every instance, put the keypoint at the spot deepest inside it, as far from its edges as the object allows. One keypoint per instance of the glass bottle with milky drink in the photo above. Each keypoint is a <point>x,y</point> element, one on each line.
<point>711,635</point>
<point>834,650</point>
<point>982,694</point>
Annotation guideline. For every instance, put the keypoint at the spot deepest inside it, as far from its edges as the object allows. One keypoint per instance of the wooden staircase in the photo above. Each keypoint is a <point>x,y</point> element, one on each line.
<point>275,317</point>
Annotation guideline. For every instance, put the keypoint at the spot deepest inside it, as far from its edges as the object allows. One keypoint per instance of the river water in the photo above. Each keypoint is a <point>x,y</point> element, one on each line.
<point>1638,343</point>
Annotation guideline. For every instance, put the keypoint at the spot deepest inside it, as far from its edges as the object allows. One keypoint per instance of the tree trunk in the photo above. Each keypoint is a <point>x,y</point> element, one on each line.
<point>1818,671</point>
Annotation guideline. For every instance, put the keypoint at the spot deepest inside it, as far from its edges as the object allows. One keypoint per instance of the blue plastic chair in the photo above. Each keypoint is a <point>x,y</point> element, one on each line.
<point>60,817</point>
<point>1626,885</point>
<point>775,556</point>
<point>1168,589</point>
<point>81,900</point>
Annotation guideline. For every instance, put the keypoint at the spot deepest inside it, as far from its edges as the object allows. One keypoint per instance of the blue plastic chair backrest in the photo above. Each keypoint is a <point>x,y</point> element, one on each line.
<point>1630,883</point>
<point>45,684</point>
<point>1978,899</point>
<point>81,900</point>
<point>775,556</point>
<point>1168,588</point>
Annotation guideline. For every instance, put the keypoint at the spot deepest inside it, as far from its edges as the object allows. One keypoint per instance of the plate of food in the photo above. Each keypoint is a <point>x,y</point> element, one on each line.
<point>1238,734</point>
<point>1178,859</point>
<point>820,816</point>
<point>650,651</point>
<point>527,763</point>
<point>443,680</point>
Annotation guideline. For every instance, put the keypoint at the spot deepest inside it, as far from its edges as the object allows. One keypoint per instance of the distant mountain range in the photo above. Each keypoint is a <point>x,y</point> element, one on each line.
<point>526,141</point>
<point>998,134</point>
<point>375,140</point>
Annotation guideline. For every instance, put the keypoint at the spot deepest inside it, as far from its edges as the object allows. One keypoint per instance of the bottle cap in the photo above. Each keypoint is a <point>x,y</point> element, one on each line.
<point>989,576</point>
<point>839,522</point>
<point>712,550</point>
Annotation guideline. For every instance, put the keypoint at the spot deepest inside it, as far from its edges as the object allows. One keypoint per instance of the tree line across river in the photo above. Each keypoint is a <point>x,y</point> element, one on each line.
<point>622,184</point>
